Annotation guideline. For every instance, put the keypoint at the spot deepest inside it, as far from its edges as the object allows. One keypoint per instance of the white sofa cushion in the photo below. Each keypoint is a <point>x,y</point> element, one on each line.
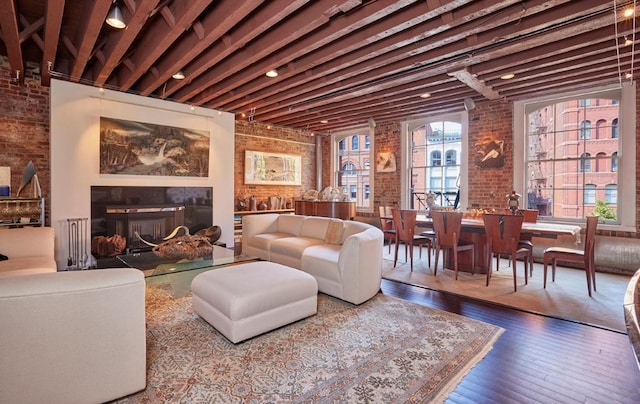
<point>288,250</point>
<point>321,261</point>
<point>27,266</point>
<point>314,227</point>
<point>27,242</point>
<point>30,251</point>
<point>290,224</point>
<point>264,240</point>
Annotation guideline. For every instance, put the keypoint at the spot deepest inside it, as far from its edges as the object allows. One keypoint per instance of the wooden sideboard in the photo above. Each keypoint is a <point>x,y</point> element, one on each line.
<point>340,210</point>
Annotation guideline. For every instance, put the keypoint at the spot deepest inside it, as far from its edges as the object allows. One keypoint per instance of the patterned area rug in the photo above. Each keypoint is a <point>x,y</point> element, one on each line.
<point>385,350</point>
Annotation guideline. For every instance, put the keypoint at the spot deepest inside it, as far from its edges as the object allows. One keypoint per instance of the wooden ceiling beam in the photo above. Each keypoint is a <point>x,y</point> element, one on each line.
<point>411,24</point>
<point>159,36</point>
<point>472,81</point>
<point>11,38</point>
<point>214,25</point>
<point>54,10</point>
<point>87,36</point>
<point>369,105</point>
<point>418,52</point>
<point>287,32</point>
<point>401,30</point>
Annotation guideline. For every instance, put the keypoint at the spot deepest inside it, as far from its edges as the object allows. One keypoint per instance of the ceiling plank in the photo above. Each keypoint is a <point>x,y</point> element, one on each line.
<point>94,16</point>
<point>11,38</point>
<point>157,39</point>
<point>288,31</point>
<point>386,51</point>
<point>272,13</point>
<point>54,10</point>
<point>346,49</point>
<point>339,37</point>
<point>214,25</point>
<point>444,58</point>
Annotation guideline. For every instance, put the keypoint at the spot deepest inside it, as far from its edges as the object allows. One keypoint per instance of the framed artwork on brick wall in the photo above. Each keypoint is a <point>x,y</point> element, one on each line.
<point>489,154</point>
<point>266,168</point>
<point>386,162</point>
<point>140,148</point>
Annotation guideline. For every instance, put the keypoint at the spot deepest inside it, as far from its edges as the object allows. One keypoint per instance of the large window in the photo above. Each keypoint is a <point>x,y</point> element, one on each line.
<point>352,171</point>
<point>567,171</point>
<point>428,144</point>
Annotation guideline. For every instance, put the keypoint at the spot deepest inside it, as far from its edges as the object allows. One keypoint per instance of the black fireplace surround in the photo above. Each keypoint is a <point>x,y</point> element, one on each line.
<point>152,212</point>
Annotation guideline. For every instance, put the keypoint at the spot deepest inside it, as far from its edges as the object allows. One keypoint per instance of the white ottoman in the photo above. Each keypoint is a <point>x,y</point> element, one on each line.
<point>242,301</point>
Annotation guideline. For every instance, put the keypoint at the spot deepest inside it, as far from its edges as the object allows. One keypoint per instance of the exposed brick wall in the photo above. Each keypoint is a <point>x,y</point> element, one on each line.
<point>326,162</point>
<point>256,136</point>
<point>24,128</point>
<point>387,185</point>
<point>490,120</point>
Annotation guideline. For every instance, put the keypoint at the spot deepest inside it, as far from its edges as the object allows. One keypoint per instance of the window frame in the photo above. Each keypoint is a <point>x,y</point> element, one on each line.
<point>405,149</point>
<point>347,136</point>
<point>626,163</point>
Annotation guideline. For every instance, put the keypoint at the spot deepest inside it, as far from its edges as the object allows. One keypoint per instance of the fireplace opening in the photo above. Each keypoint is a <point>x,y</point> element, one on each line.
<point>151,212</point>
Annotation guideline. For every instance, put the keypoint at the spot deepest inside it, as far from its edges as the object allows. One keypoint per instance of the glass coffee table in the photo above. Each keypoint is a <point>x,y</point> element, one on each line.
<point>153,265</point>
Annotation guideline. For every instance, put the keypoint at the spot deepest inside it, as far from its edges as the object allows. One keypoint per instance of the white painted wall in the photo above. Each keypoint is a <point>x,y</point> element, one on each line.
<point>75,140</point>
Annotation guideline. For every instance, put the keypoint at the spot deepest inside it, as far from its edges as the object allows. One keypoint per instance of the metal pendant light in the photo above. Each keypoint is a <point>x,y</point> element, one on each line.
<point>114,18</point>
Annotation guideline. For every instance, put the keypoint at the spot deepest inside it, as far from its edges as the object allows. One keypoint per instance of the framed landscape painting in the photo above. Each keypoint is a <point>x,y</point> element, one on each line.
<point>272,168</point>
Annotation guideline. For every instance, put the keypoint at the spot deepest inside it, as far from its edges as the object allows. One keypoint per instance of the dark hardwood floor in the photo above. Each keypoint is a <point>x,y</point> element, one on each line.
<point>537,359</point>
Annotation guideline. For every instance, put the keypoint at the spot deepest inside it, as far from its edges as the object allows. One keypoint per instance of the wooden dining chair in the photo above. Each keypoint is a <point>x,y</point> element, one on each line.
<point>404,222</point>
<point>386,224</point>
<point>447,226</point>
<point>530,216</point>
<point>586,255</point>
<point>503,234</point>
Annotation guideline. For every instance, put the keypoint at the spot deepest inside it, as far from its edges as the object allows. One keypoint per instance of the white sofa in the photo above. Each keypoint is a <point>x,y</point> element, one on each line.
<point>30,251</point>
<point>72,337</point>
<point>345,257</point>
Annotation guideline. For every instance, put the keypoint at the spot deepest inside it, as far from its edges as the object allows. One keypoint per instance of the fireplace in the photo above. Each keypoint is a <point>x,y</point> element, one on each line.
<point>152,212</point>
<point>152,223</point>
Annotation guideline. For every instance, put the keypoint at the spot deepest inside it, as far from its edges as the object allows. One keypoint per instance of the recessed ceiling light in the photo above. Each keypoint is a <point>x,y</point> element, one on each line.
<point>627,41</point>
<point>324,121</point>
<point>507,76</point>
<point>178,75</point>
<point>628,75</point>
<point>272,73</point>
<point>628,12</point>
<point>425,95</point>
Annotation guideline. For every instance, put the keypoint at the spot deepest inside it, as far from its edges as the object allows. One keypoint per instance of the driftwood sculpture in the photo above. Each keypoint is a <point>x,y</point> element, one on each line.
<point>188,246</point>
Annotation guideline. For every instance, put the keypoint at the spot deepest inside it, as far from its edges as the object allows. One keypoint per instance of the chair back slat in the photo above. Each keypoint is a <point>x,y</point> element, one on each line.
<point>530,215</point>
<point>503,232</point>
<point>447,227</point>
<point>405,224</point>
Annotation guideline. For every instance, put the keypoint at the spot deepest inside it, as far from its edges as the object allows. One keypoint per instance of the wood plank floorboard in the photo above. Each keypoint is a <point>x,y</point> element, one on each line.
<point>538,359</point>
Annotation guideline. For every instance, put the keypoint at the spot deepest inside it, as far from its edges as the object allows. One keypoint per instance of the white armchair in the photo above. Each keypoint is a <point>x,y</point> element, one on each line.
<point>72,337</point>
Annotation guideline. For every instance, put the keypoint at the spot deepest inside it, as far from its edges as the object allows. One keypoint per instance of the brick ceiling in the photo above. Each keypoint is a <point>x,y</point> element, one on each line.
<point>339,61</point>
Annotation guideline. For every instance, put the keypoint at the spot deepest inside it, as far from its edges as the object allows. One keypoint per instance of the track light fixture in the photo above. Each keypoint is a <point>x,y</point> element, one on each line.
<point>114,18</point>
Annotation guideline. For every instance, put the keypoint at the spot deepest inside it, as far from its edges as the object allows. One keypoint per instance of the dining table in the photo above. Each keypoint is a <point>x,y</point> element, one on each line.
<point>473,231</point>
